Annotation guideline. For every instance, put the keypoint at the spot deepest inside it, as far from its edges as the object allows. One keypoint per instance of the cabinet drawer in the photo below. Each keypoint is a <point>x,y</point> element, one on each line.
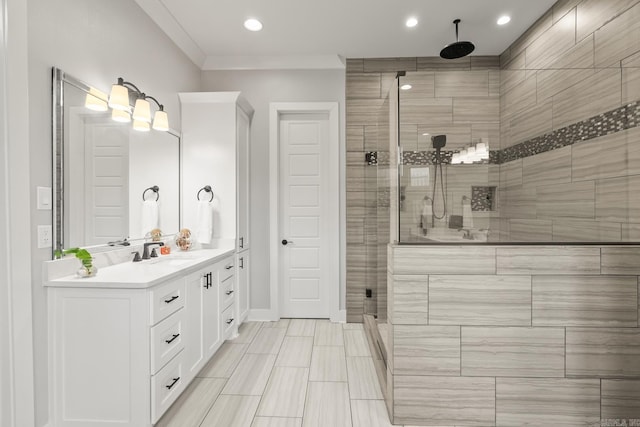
<point>166,299</point>
<point>227,292</point>
<point>167,339</point>
<point>228,321</point>
<point>166,386</point>
<point>227,269</point>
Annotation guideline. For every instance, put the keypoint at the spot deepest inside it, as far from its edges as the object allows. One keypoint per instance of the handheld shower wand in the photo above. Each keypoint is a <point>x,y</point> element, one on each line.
<point>438,141</point>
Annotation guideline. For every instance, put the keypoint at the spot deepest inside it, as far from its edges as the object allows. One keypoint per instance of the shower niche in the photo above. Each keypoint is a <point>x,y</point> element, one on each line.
<point>483,198</point>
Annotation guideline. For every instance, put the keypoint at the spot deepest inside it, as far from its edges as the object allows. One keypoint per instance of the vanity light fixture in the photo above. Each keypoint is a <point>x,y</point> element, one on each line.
<point>473,153</point>
<point>141,125</point>
<point>142,111</point>
<point>95,100</point>
<point>122,94</point>
<point>120,116</point>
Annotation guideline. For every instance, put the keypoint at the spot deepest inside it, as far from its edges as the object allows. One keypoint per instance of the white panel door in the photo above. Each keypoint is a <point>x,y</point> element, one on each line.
<point>106,184</point>
<point>304,218</point>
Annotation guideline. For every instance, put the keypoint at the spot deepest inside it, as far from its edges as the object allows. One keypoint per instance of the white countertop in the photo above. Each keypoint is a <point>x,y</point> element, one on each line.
<point>144,274</point>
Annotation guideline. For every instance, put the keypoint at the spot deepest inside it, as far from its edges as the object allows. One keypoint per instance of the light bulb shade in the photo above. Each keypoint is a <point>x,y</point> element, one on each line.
<point>161,121</point>
<point>141,126</point>
<point>94,103</point>
<point>120,116</point>
<point>142,111</point>
<point>119,98</point>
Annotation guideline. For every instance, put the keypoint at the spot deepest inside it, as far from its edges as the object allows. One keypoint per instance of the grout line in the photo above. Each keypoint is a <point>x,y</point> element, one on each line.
<point>213,403</point>
<point>346,366</point>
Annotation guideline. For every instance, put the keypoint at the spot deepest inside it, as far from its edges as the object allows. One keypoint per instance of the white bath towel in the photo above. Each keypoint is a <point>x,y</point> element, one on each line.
<point>467,216</point>
<point>204,222</point>
<point>150,216</point>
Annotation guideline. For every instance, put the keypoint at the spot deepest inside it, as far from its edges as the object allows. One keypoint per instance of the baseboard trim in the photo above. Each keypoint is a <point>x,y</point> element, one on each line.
<point>262,315</point>
<point>340,316</point>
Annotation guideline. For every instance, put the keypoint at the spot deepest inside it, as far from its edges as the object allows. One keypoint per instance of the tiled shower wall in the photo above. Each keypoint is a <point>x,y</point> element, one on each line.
<point>581,59</point>
<point>574,77</point>
<point>459,98</point>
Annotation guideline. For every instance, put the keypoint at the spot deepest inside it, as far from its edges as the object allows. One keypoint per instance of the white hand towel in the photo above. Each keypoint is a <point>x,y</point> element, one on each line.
<point>149,216</point>
<point>204,222</point>
<point>467,216</point>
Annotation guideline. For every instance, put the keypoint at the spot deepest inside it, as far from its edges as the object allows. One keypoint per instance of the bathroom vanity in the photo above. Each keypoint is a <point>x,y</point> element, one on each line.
<point>125,343</point>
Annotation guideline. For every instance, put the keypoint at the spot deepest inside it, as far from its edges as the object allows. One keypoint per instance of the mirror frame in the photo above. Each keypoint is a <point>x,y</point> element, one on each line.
<point>59,78</point>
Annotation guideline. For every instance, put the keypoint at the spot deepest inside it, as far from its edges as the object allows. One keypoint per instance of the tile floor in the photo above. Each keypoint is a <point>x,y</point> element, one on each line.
<point>291,373</point>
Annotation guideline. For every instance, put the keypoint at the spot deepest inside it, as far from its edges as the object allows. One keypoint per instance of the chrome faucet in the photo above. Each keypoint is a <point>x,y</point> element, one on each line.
<point>145,252</point>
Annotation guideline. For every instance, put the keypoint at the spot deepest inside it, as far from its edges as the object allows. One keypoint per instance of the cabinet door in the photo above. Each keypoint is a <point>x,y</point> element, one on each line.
<point>211,315</point>
<point>196,287</point>
<point>243,176</point>
<point>243,296</point>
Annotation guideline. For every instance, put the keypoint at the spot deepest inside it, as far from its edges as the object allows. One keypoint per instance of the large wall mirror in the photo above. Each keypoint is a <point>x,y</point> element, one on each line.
<point>107,176</point>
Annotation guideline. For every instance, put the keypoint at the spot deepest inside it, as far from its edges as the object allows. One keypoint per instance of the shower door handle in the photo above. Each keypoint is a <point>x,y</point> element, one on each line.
<point>285,242</point>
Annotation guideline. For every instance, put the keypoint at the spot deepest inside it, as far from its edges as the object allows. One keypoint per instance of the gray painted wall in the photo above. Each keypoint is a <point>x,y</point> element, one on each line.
<point>96,41</point>
<point>261,88</point>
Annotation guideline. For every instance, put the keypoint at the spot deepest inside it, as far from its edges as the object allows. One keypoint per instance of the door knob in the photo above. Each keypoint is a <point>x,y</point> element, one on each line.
<point>286,242</point>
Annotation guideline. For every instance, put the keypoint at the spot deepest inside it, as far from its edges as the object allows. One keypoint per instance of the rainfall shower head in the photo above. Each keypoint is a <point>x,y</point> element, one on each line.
<point>457,49</point>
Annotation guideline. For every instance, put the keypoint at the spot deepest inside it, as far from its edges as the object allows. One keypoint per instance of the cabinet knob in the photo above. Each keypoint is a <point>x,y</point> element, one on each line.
<point>229,267</point>
<point>229,321</point>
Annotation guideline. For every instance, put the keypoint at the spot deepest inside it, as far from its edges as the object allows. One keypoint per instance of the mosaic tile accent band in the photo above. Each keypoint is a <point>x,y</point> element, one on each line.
<point>623,118</point>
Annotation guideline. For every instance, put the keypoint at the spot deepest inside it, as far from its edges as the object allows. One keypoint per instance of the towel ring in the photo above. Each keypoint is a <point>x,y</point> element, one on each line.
<point>206,188</point>
<point>155,189</point>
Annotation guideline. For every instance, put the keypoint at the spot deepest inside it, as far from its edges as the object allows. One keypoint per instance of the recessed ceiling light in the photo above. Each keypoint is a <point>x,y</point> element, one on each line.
<point>411,22</point>
<point>406,87</point>
<point>505,19</point>
<point>252,24</point>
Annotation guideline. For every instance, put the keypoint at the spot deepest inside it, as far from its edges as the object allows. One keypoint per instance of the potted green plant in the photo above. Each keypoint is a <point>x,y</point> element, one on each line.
<point>87,269</point>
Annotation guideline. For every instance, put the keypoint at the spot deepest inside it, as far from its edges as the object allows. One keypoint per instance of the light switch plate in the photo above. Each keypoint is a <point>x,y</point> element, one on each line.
<point>44,236</point>
<point>44,198</point>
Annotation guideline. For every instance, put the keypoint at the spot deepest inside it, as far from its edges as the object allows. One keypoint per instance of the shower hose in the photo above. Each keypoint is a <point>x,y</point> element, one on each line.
<point>442,187</point>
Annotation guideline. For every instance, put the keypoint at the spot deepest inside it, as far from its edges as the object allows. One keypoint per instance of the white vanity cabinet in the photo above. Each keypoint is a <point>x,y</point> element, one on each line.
<point>122,353</point>
<point>216,147</point>
<point>243,260</point>
<point>203,318</point>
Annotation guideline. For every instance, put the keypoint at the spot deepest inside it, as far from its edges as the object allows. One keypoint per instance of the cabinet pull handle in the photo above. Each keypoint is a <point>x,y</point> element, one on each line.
<point>209,279</point>
<point>172,339</point>
<point>229,292</point>
<point>172,299</point>
<point>175,380</point>
<point>242,243</point>
<point>242,262</point>
<point>230,321</point>
<point>229,267</point>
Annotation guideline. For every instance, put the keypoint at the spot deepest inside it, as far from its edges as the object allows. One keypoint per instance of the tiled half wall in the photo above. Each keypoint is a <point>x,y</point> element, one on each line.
<point>513,335</point>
